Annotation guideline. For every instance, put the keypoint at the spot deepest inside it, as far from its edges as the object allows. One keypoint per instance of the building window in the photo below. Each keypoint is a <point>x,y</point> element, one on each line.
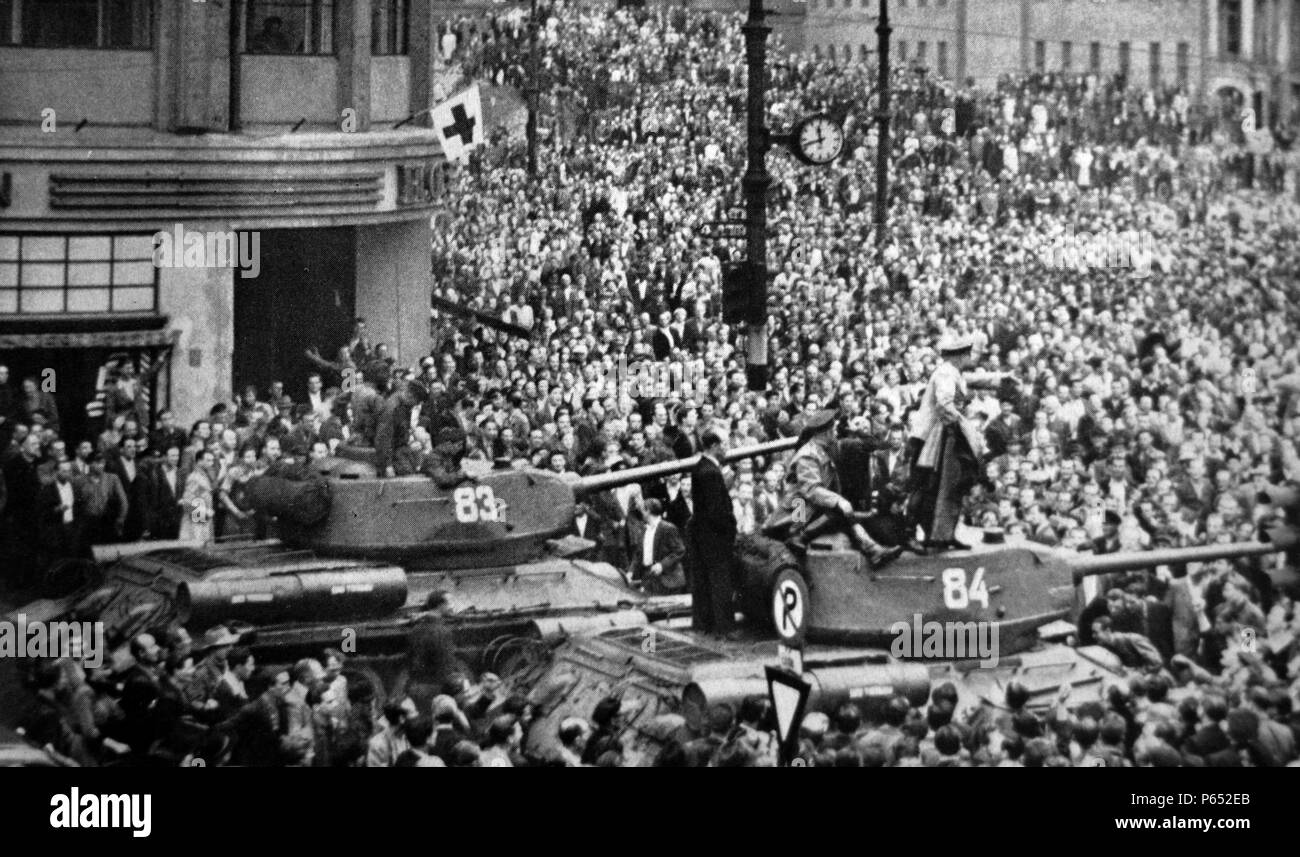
<point>1183,54</point>
<point>1155,65</point>
<point>289,27</point>
<point>1124,57</point>
<point>43,274</point>
<point>1040,55</point>
<point>390,27</point>
<point>1230,27</point>
<point>1094,57</point>
<point>122,24</point>
<point>942,58</point>
<point>1067,55</point>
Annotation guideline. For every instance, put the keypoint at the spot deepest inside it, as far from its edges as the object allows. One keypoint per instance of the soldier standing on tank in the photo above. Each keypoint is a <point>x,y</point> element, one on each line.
<point>813,484</point>
<point>946,448</point>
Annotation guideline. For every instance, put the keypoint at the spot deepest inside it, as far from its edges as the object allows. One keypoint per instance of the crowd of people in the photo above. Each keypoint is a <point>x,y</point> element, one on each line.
<point>161,698</point>
<point>1139,411</point>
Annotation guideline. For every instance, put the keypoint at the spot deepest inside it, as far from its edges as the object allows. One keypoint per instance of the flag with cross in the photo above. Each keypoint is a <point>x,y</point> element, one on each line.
<point>459,123</point>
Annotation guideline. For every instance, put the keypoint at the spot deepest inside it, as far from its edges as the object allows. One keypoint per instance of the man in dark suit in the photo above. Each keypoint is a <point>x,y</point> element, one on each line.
<point>657,554</point>
<point>62,516</point>
<point>130,473</point>
<point>587,525</point>
<point>674,492</point>
<point>166,484</point>
<point>711,537</point>
<point>664,339</point>
<point>167,434</point>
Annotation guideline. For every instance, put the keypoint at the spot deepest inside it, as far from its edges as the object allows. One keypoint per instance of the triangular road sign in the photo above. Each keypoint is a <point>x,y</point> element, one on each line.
<point>789,696</point>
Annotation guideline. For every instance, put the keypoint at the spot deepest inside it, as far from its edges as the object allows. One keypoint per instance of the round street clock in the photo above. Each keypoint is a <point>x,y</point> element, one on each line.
<point>817,140</point>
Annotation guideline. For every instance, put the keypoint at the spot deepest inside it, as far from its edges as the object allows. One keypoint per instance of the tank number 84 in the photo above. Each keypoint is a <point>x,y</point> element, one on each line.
<point>475,503</point>
<point>957,595</point>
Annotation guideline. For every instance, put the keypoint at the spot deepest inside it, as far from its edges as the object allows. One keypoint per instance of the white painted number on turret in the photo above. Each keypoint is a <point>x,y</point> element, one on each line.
<point>475,503</point>
<point>957,595</point>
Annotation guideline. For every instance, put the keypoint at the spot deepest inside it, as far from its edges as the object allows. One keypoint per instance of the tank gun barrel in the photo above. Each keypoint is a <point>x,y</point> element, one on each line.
<point>603,481</point>
<point>1087,565</point>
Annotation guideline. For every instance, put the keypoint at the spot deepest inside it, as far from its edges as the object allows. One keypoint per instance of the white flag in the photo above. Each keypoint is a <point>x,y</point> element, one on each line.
<point>459,123</point>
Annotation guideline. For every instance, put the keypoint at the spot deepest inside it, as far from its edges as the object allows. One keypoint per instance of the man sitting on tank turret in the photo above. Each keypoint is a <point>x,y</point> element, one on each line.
<point>813,484</point>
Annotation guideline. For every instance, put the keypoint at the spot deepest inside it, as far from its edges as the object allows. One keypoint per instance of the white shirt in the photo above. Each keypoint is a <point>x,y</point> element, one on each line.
<point>65,497</point>
<point>648,547</point>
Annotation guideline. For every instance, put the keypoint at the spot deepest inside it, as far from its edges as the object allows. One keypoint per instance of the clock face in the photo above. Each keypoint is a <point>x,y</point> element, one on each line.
<point>819,140</point>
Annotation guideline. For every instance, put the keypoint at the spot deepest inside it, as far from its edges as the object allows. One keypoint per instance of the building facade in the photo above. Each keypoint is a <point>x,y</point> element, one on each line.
<point>289,134</point>
<point>1247,50</point>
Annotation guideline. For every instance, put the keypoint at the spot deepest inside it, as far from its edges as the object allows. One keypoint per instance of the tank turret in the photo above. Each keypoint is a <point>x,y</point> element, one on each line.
<point>502,517</point>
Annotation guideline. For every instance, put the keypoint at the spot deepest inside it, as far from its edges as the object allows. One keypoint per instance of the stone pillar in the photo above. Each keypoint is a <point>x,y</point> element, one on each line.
<point>393,286</point>
<point>1026,19</point>
<point>1247,30</point>
<point>352,44</point>
<point>193,58</point>
<point>959,46</point>
<point>199,304</point>
<point>426,59</point>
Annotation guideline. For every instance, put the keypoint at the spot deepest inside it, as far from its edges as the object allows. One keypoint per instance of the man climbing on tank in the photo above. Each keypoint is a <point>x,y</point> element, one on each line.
<point>813,486</point>
<point>443,466</point>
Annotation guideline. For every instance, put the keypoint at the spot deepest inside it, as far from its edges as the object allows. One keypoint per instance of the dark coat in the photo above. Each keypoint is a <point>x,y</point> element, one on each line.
<point>711,540</point>
<point>669,551</point>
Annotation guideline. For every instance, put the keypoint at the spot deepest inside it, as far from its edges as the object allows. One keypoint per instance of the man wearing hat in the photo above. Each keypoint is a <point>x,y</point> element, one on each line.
<point>813,485</point>
<point>946,446</point>
<point>200,692</point>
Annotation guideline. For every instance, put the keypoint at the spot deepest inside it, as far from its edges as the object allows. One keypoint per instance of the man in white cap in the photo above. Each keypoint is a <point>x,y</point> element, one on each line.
<point>946,446</point>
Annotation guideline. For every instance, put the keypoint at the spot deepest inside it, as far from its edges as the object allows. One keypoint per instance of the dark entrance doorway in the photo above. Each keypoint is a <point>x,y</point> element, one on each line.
<point>304,296</point>
<point>72,373</point>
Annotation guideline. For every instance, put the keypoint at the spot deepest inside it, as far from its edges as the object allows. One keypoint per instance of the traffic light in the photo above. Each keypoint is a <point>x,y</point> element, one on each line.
<point>736,292</point>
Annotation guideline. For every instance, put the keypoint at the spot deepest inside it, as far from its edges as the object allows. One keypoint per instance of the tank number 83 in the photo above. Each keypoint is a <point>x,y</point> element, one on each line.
<point>475,503</point>
<point>957,595</point>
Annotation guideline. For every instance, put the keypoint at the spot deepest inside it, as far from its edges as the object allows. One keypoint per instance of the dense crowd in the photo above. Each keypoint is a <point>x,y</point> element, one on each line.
<point>1153,400</point>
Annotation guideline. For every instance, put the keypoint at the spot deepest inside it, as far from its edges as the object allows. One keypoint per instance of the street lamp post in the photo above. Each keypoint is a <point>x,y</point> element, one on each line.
<point>531,91</point>
<point>755,184</point>
<point>882,117</point>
